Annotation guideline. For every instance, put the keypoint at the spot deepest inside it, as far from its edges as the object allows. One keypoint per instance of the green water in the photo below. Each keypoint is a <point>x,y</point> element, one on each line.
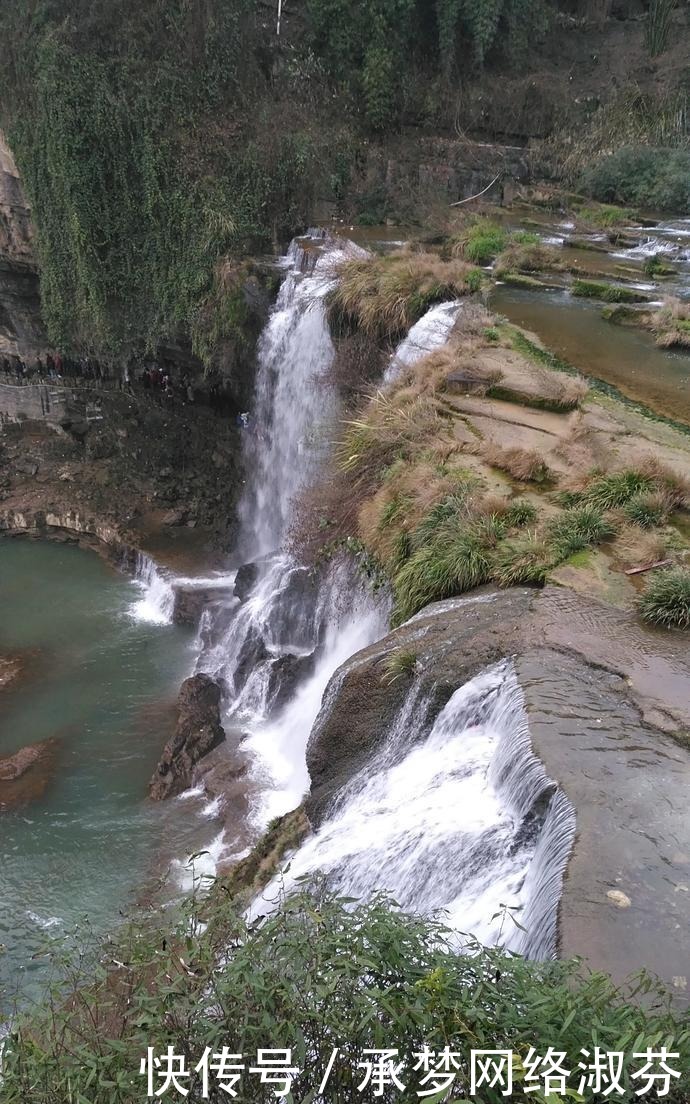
<point>102,684</point>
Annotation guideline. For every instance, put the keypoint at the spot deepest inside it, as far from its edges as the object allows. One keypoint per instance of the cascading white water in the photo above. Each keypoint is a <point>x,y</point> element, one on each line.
<point>294,404</point>
<point>278,644</point>
<point>463,820</point>
<point>157,600</point>
<point>448,823</point>
<point>429,333</point>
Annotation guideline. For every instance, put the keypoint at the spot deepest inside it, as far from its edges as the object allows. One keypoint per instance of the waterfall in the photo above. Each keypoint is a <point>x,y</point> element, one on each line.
<point>463,821</point>
<point>279,640</point>
<point>452,814</point>
<point>294,404</point>
<point>429,333</point>
<point>157,600</point>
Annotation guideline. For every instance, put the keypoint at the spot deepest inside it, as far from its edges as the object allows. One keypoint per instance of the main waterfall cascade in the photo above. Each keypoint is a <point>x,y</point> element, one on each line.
<point>453,813</point>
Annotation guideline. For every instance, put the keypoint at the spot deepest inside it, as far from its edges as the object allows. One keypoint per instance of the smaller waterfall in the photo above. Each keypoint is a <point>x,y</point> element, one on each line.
<point>454,822</point>
<point>429,333</point>
<point>157,600</point>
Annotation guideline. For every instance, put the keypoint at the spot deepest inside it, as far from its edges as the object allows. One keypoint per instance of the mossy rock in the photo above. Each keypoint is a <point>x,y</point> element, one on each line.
<point>622,315</point>
<point>518,279</point>
<point>594,289</point>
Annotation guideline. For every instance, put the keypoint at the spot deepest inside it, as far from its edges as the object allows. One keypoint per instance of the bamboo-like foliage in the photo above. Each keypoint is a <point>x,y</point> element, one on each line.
<point>659,21</point>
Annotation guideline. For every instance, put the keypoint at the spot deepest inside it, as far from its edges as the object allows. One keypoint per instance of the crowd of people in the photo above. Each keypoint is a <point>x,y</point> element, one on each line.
<point>160,382</point>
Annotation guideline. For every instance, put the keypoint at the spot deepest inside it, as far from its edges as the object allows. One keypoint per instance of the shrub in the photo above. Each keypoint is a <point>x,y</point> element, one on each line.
<point>666,598</point>
<point>386,295</point>
<point>520,463</point>
<point>644,176</point>
<point>525,559</point>
<point>577,529</point>
<point>316,975</point>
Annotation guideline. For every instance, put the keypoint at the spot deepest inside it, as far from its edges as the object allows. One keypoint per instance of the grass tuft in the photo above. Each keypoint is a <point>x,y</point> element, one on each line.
<point>480,242</point>
<point>609,491</point>
<point>577,529</point>
<point>384,296</point>
<point>523,464</point>
<point>666,599</point>
<point>525,559</point>
<point>401,664</point>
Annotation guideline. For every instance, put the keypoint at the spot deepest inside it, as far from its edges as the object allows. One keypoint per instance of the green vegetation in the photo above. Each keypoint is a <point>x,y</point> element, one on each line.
<point>384,296</point>
<point>522,560</point>
<point>658,30</point>
<point>647,510</point>
<point>577,529</point>
<point>401,664</point>
<point>643,176</point>
<point>594,289</point>
<point>113,112</point>
<point>480,241</point>
<point>666,599</point>
<point>606,215</point>
<point>608,491</point>
<point>656,266</point>
<point>314,976</point>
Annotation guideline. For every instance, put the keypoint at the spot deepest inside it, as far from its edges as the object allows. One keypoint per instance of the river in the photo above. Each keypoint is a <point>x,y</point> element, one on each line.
<point>102,674</point>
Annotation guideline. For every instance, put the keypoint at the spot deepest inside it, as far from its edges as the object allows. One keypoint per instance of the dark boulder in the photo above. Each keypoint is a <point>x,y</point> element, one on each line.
<point>197,733</point>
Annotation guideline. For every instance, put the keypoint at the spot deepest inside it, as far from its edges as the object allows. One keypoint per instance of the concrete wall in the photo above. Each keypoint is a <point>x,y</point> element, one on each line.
<point>39,402</point>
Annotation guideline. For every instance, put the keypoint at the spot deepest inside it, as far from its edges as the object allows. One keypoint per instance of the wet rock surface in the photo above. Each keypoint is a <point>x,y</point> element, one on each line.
<point>626,897</point>
<point>25,776</point>
<point>198,732</point>
<point>608,701</point>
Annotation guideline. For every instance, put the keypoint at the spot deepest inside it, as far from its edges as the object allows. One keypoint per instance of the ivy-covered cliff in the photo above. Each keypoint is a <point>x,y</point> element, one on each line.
<point>160,142</point>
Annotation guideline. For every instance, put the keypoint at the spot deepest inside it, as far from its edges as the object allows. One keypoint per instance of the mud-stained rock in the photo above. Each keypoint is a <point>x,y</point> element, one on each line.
<point>25,775</point>
<point>191,601</point>
<point>197,733</point>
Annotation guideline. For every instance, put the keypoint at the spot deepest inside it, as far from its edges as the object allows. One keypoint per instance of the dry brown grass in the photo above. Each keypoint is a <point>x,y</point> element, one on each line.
<point>429,375</point>
<point>523,464</point>
<point>386,431</point>
<point>559,389</point>
<point>671,323</point>
<point>633,546</point>
<point>386,295</point>
<point>528,257</point>
<point>672,484</point>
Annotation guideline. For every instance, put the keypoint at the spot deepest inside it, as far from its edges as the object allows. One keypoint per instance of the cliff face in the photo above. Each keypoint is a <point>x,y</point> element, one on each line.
<point>21,324</point>
<point>16,231</point>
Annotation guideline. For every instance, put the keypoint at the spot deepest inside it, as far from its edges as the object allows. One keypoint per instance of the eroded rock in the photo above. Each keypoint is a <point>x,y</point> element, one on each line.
<point>198,732</point>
